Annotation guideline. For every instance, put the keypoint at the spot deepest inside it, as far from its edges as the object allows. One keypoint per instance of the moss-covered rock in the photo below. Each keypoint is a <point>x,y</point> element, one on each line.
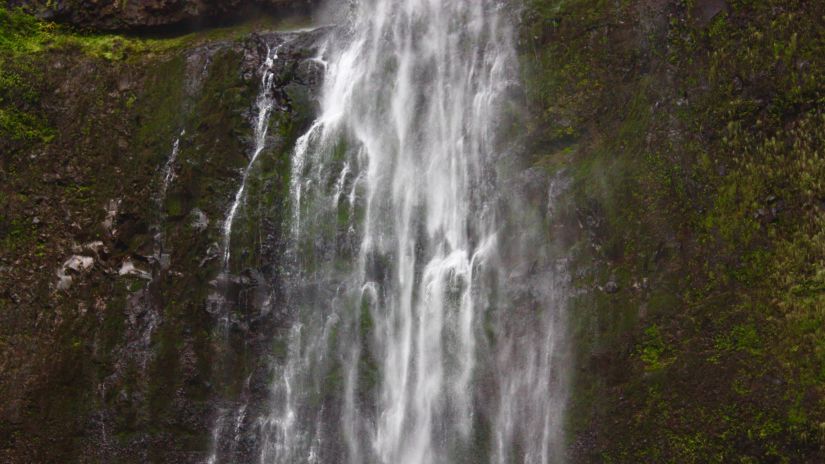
<point>153,14</point>
<point>688,137</point>
<point>693,133</point>
<point>115,361</point>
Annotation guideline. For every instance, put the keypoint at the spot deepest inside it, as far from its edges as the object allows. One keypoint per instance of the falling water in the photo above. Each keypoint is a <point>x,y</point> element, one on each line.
<point>230,419</point>
<point>161,254</point>
<point>264,106</point>
<point>169,167</point>
<point>422,299</point>
<point>422,331</point>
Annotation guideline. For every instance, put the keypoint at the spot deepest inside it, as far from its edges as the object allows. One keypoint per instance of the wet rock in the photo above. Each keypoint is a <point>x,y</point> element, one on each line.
<point>769,213</point>
<point>96,248</point>
<point>72,267</point>
<point>124,84</point>
<point>164,260</point>
<point>102,243</point>
<point>737,85</point>
<point>157,14</point>
<point>644,284</point>
<point>199,220</point>
<point>611,287</point>
<point>212,253</point>
<point>560,183</point>
<point>78,263</point>
<point>112,207</point>
<point>128,268</point>
<point>706,10</point>
<point>215,302</point>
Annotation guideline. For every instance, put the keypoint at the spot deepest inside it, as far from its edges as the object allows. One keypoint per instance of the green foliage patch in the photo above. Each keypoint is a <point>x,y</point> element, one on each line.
<point>696,149</point>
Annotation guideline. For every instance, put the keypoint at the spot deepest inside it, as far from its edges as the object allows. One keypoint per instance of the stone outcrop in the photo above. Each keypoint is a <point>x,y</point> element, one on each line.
<point>149,14</point>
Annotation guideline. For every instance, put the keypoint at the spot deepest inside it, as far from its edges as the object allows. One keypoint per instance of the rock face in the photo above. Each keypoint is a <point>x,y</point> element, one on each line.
<point>691,134</point>
<point>694,248</point>
<point>109,346</point>
<point>147,14</point>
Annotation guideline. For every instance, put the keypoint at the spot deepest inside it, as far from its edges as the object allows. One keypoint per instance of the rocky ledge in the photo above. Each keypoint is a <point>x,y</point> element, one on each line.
<point>125,15</point>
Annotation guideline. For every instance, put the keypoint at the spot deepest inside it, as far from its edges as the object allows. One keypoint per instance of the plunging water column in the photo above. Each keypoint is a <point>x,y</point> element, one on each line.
<point>421,331</point>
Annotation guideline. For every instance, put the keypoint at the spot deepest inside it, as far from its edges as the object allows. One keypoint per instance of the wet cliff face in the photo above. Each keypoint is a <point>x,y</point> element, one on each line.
<point>154,14</point>
<point>119,160</point>
<point>690,133</point>
<point>676,149</point>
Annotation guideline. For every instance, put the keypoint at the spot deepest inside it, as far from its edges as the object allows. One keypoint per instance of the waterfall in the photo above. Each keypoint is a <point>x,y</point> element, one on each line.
<point>425,307</point>
<point>169,167</point>
<point>264,106</point>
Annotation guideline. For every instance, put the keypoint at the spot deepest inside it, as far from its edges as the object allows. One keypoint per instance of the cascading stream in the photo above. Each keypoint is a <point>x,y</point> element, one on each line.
<point>230,420</point>
<point>264,106</point>
<point>169,168</point>
<point>426,311</point>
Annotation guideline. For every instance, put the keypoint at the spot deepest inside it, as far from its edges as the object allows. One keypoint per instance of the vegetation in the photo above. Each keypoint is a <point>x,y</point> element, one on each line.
<point>88,121</point>
<point>694,133</point>
<point>23,37</point>
<point>22,33</point>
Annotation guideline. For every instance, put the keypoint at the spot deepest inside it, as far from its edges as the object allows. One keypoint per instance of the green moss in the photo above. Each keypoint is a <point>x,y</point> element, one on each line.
<point>653,351</point>
<point>697,154</point>
<point>22,33</point>
<point>369,374</point>
<point>20,126</point>
<point>16,29</point>
<point>22,36</point>
<point>15,234</point>
<point>174,207</point>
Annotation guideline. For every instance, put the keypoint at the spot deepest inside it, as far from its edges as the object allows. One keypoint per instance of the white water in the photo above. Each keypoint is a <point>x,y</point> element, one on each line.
<point>169,167</point>
<point>425,304</point>
<point>264,104</point>
<point>231,419</point>
<point>161,254</point>
<point>408,345</point>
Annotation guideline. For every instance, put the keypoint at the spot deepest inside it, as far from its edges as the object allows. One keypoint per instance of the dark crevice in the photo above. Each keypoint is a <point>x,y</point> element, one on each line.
<point>140,25</point>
